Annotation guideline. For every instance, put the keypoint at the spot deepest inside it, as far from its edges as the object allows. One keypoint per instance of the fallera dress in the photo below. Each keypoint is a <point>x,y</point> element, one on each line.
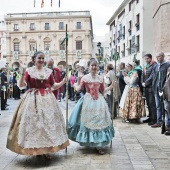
<point>131,103</point>
<point>38,125</point>
<point>90,122</point>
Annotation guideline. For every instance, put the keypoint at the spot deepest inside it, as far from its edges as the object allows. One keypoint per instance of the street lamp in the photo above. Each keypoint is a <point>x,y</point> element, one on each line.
<point>100,52</point>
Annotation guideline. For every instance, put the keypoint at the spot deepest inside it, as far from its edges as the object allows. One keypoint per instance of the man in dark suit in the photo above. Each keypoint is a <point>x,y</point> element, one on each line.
<point>16,90</point>
<point>4,83</point>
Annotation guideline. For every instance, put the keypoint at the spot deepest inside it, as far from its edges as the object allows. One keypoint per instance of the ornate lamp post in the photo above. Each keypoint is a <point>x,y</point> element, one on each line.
<point>100,52</point>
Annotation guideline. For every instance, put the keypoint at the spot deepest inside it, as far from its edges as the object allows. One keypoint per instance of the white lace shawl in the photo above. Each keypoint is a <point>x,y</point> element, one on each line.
<point>89,79</point>
<point>34,74</point>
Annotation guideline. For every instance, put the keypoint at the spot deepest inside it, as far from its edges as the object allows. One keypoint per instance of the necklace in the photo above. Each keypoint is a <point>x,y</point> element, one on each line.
<point>40,74</point>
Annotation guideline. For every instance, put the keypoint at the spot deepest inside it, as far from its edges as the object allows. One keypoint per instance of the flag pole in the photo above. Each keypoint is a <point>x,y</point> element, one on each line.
<point>66,38</point>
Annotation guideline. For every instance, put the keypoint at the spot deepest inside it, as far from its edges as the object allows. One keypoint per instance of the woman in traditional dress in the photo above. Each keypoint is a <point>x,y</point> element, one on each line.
<point>132,104</point>
<point>38,126</point>
<point>90,122</point>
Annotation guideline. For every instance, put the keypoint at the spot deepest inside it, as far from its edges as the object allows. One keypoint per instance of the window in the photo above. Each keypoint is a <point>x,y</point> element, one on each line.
<point>130,27</point>
<point>123,51</point>
<point>130,24</point>
<point>62,47</point>
<point>46,46</point>
<point>32,26</point>
<point>78,25</point>
<point>130,6</point>
<point>123,32</point>
<point>78,45</point>
<point>16,27</point>
<point>16,46</point>
<point>47,26</point>
<point>61,25</point>
<point>130,46</point>
<point>137,22</point>
<point>118,49</point>
<point>33,46</point>
<point>138,18</point>
<point>138,43</point>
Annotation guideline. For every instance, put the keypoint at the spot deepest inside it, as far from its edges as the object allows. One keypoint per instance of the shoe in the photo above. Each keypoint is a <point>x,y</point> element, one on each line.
<point>59,100</point>
<point>156,125</point>
<point>5,109</point>
<point>150,123</point>
<point>167,133</point>
<point>147,120</point>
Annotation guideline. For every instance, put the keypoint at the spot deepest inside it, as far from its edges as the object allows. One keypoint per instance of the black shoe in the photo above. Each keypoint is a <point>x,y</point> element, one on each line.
<point>5,109</point>
<point>147,120</point>
<point>167,133</point>
<point>150,123</point>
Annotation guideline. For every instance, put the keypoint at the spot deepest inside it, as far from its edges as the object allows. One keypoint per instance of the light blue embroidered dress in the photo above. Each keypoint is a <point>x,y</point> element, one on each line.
<point>90,123</point>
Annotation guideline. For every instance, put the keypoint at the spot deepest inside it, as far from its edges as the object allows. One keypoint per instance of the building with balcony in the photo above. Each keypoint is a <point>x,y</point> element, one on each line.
<point>161,27</point>
<point>30,32</point>
<point>2,38</point>
<point>131,30</point>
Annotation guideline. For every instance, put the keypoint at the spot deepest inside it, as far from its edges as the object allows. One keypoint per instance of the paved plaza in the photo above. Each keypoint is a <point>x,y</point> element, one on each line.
<point>135,147</point>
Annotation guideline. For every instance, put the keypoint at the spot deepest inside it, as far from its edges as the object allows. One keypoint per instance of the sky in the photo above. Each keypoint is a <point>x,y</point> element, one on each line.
<point>100,10</point>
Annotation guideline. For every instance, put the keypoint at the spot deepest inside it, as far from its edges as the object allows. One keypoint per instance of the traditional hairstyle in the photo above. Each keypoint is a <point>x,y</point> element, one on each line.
<point>36,54</point>
<point>148,55</point>
<point>123,64</point>
<point>109,66</point>
<point>93,60</point>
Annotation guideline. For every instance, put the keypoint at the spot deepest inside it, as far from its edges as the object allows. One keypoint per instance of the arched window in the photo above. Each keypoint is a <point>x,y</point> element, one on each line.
<point>47,42</point>
<point>79,43</point>
<point>16,44</point>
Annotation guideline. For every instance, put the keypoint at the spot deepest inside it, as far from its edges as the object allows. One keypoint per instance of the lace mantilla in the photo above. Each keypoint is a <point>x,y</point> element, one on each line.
<point>43,75</point>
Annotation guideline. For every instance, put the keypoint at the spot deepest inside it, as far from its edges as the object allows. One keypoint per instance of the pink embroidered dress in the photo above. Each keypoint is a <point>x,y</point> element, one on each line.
<point>90,122</point>
<point>38,125</point>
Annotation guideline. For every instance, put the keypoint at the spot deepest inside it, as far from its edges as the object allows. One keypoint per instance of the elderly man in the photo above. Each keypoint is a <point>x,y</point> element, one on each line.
<point>56,74</point>
<point>159,77</point>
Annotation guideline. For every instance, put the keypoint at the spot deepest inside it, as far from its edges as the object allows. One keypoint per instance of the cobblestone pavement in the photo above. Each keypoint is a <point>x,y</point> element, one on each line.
<point>135,146</point>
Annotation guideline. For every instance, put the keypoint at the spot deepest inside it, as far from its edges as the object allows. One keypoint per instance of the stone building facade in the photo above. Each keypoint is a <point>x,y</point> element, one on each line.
<point>30,32</point>
<point>161,22</point>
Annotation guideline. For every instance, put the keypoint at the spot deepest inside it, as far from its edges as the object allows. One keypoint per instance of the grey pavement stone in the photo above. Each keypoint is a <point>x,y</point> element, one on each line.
<point>135,147</point>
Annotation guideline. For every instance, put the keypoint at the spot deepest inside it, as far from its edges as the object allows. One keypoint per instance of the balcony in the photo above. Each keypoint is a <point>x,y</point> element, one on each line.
<point>46,14</point>
<point>137,26</point>
<point>130,31</point>
<point>78,54</point>
<point>137,48</point>
<point>123,35</point>
<point>129,51</point>
<point>123,53</point>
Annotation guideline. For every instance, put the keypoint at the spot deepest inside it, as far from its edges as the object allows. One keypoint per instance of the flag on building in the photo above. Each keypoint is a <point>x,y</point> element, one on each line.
<point>51,3</point>
<point>59,3</point>
<point>34,3</point>
<point>42,4</point>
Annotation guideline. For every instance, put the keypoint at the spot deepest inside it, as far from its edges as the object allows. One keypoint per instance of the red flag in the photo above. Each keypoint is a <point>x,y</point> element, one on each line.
<point>42,4</point>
